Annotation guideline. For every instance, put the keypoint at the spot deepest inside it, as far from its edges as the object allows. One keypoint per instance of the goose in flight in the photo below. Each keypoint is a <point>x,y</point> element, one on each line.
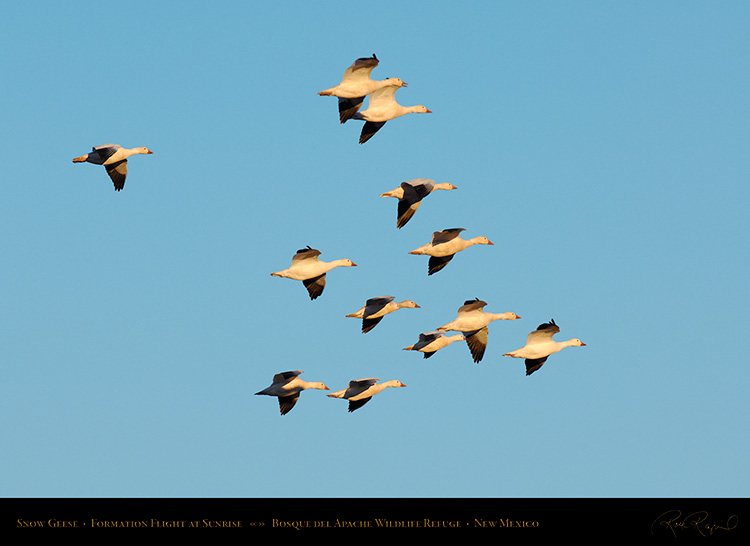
<point>376,308</point>
<point>356,84</point>
<point>472,320</point>
<point>287,386</point>
<point>382,107</point>
<point>360,391</point>
<point>114,158</point>
<point>312,272</point>
<point>444,245</point>
<point>410,195</point>
<point>431,342</point>
<point>539,345</point>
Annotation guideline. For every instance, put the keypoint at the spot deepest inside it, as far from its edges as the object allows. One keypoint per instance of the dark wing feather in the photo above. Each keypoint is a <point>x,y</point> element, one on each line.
<point>370,323</point>
<point>286,403</point>
<point>477,342</point>
<point>349,107</point>
<point>533,364</point>
<point>369,130</point>
<point>105,152</point>
<point>407,206</point>
<point>315,285</point>
<point>117,172</point>
<point>356,404</point>
<point>437,263</point>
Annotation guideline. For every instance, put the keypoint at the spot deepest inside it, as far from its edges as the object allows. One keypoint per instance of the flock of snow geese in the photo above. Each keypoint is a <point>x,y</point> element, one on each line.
<point>471,321</point>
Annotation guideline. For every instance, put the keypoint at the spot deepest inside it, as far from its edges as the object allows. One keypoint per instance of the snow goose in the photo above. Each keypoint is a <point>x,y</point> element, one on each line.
<point>376,308</point>
<point>287,386</point>
<point>356,85</point>
<point>312,272</point>
<point>410,195</point>
<point>114,158</point>
<point>472,321</point>
<point>382,106</point>
<point>444,245</point>
<point>431,342</point>
<point>360,391</point>
<point>539,345</point>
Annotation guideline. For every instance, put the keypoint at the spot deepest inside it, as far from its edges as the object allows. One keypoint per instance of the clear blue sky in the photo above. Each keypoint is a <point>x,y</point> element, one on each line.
<point>602,146</point>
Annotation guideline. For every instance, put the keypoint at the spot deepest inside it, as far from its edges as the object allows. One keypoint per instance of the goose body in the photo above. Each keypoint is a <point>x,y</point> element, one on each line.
<point>540,345</point>
<point>114,158</point>
<point>287,386</point>
<point>356,84</point>
<point>382,107</point>
<point>360,391</point>
<point>472,320</point>
<point>312,272</point>
<point>431,342</point>
<point>376,308</point>
<point>410,195</point>
<point>444,245</point>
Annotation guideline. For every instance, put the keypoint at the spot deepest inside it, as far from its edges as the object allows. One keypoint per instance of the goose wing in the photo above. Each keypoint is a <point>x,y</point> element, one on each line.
<point>369,129</point>
<point>118,172</point>
<point>543,333</point>
<point>315,285</point>
<point>305,254</point>
<point>436,263</point>
<point>446,235</point>
<point>477,342</point>
<point>361,69</point>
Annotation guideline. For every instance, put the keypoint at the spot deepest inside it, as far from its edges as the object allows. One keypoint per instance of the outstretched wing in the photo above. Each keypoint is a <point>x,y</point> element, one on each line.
<point>315,285</point>
<point>286,403</point>
<point>436,263</point>
<point>369,129</point>
<point>118,172</point>
<point>533,364</point>
<point>446,235</point>
<point>477,342</point>
<point>361,68</point>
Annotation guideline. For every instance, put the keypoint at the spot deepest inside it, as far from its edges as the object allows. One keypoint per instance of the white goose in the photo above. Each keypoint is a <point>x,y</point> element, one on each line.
<point>472,321</point>
<point>360,391</point>
<point>444,245</point>
<point>287,386</point>
<point>410,195</point>
<point>376,308</point>
<point>382,107</point>
<point>312,272</point>
<point>539,345</point>
<point>356,85</point>
<point>114,158</point>
<point>431,342</point>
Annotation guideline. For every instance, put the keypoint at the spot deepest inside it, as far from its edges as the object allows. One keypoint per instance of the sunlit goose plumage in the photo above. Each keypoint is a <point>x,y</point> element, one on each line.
<point>114,158</point>
<point>376,308</point>
<point>410,195</point>
<point>382,107</point>
<point>287,386</point>
<point>356,85</point>
<point>431,342</point>
<point>539,345</point>
<point>472,321</point>
<point>444,245</point>
<point>312,272</point>
<point>360,391</point>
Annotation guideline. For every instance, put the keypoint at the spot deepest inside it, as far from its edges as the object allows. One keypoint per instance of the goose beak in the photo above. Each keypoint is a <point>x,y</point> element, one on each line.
<point>429,111</point>
<point>149,152</point>
<point>583,344</point>
<point>405,84</point>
